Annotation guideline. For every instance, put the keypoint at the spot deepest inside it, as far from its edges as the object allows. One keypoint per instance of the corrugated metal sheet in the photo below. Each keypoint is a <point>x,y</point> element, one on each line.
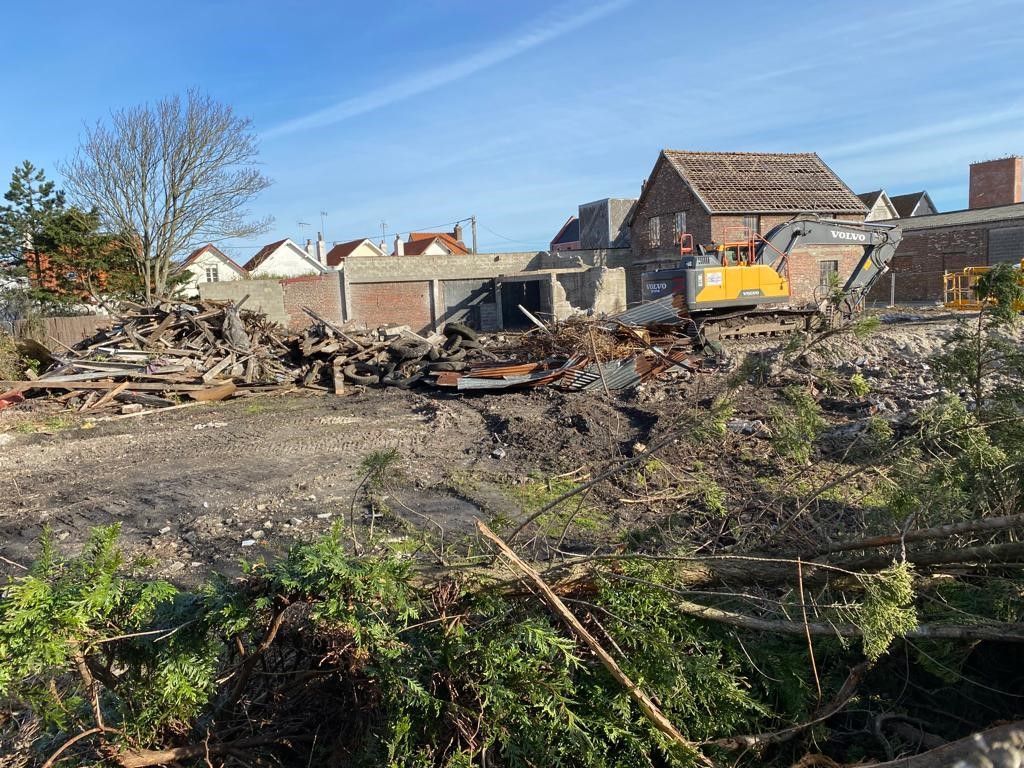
<point>658,312</point>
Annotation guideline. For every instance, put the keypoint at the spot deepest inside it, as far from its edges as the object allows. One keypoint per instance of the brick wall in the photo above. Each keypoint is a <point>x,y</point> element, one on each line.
<point>406,303</point>
<point>321,293</point>
<point>996,182</point>
<point>923,255</point>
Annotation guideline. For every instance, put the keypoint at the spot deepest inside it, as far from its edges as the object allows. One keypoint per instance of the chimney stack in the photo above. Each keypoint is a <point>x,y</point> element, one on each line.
<point>383,246</point>
<point>309,247</point>
<point>458,232</point>
<point>996,182</point>
<point>321,249</point>
<point>399,246</point>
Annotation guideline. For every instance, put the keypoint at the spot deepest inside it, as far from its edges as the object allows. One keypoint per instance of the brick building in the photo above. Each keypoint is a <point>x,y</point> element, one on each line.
<point>990,231</point>
<point>719,196</point>
<point>948,242</point>
<point>996,182</point>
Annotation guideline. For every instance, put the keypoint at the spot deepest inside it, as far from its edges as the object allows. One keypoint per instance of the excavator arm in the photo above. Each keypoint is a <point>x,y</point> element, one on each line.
<point>878,239</point>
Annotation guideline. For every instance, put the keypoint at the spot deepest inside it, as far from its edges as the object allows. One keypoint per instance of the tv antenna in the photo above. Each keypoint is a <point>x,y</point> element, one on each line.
<point>302,224</point>
<point>323,224</point>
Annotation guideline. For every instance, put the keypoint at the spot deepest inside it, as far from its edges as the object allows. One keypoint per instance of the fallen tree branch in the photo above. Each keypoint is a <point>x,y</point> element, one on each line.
<point>143,758</point>
<point>758,740</point>
<point>649,708</point>
<point>1010,552</point>
<point>924,534</point>
<point>68,744</point>
<point>1004,743</point>
<point>1011,633</point>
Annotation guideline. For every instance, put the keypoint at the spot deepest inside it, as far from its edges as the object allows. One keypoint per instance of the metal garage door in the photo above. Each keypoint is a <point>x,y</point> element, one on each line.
<point>463,297</point>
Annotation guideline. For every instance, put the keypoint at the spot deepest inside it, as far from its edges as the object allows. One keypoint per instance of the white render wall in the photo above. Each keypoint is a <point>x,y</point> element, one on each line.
<point>289,260</point>
<point>196,272</point>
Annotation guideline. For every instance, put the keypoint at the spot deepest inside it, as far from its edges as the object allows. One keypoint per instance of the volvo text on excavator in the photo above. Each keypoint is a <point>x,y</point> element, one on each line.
<point>743,287</point>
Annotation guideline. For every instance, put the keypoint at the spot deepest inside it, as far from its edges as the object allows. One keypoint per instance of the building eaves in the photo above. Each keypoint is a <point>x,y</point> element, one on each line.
<point>968,216</point>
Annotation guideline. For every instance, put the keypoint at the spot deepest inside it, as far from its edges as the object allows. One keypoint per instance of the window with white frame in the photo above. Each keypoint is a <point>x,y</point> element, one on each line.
<point>212,275</point>
<point>654,223</point>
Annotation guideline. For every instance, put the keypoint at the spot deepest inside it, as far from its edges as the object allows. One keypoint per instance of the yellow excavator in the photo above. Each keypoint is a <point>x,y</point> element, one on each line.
<point>743,288</point>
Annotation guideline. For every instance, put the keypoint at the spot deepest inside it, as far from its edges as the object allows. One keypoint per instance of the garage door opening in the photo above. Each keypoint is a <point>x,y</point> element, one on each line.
<point>525,292</point>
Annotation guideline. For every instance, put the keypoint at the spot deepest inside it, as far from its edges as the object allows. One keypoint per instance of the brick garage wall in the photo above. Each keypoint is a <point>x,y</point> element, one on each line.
<point>924,255</point>
<point>406,303</point>
<point>321,293</point>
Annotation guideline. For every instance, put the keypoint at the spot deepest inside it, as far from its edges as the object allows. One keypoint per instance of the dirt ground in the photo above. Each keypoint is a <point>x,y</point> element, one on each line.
<point>199,488</point>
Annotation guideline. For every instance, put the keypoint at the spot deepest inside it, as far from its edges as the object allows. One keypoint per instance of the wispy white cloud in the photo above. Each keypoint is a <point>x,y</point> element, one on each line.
<point>545,29</point>
<point>928,131</point>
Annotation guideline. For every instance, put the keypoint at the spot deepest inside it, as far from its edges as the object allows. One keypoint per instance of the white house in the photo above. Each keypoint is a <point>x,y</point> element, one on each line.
<point>207,264</point>
<point>880,207</point>
<point>353,248</point>
<point>284,259</point>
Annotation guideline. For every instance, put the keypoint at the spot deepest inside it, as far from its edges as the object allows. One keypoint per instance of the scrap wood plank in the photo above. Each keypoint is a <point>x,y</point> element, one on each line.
<point>142,386</point>
<point>647,705</point>
<point>111,394</point>
<point>333,327</point>
<point>213,394</point>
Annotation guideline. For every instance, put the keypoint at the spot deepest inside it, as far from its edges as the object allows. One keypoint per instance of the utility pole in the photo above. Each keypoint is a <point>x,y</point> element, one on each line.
<point>472,222</point>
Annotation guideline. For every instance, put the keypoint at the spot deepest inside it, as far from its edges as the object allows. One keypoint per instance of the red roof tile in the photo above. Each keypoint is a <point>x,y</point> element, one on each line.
<point>342,251</point>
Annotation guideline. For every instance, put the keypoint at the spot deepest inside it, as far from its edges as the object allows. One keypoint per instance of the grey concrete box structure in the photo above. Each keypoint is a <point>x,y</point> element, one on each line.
<point>605,223</point>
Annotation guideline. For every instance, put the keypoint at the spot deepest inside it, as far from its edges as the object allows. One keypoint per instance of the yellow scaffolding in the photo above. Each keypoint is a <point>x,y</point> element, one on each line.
<point>959,288</point>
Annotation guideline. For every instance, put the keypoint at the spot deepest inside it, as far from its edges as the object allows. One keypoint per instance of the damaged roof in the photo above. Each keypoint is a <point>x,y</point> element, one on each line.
<point>763,182</point>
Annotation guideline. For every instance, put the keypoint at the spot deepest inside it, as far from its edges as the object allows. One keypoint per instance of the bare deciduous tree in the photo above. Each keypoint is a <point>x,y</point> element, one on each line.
<point>167,177</point>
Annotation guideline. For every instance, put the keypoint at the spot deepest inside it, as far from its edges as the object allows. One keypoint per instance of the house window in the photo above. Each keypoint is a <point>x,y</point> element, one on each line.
<point>752,224</point>
<point>828,273</point>
<point>211,274</point>
<point>678,226</point>
<point>655,230</point>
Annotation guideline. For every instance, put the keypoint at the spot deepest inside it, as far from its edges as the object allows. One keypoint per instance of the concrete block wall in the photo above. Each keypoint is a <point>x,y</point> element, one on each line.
<point>265,296</point>
<point>281,300</point>
<point>601,289</point>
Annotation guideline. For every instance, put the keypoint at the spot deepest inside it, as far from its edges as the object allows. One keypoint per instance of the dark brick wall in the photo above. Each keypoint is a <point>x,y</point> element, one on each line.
<point>321,293</point>
<point>922,257</point>
<point>408,303</point>
<point>996,182</point>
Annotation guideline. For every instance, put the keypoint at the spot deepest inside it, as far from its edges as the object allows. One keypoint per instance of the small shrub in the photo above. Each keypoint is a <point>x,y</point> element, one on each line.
<point>796,426</point>
<point>859,385</point>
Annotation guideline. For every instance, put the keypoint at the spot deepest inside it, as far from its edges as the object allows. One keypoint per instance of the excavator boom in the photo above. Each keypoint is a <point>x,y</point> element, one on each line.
<point>710,284</point>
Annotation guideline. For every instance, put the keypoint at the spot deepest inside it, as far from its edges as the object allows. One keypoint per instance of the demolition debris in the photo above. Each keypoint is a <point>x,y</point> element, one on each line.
<point>208,351</point>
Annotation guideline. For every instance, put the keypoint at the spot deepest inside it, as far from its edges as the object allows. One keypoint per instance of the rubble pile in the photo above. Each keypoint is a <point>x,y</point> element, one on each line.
<point>152,356</point>
<point>390,356</point>
<point>207,351</point>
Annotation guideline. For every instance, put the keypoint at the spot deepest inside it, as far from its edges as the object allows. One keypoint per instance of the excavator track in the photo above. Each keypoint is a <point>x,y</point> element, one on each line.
<point>754,323</point>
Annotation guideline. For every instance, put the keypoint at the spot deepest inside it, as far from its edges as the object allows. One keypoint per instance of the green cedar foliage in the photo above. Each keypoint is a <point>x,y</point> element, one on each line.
<point>31,200</point>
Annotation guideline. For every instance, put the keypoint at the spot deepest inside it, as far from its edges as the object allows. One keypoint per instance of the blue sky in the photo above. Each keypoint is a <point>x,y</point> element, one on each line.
<point>422,113</point>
